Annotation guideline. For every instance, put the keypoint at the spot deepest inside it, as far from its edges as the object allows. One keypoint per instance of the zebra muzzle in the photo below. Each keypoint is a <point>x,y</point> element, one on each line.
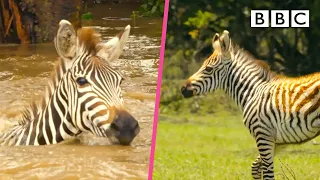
<point>187,91</point>
<point>125,127</point>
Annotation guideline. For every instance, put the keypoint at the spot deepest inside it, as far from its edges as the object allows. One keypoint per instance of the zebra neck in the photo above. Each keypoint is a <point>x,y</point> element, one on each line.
<point>48,122</point>
<point>50,126</point>
<point>243,79</point>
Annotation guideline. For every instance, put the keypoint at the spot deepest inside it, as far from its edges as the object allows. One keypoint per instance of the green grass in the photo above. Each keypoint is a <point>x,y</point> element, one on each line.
<point>209,147</point>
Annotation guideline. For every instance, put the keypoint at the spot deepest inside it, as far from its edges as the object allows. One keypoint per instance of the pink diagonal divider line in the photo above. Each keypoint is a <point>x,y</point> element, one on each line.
<point>158,93</point>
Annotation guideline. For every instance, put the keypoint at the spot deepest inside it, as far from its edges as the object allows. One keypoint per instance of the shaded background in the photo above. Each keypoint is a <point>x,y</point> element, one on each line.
<point>192,24</point>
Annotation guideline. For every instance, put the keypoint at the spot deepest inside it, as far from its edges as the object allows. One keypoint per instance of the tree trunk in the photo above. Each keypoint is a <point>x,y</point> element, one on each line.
<point>1,29</point>
<point>34,21</point>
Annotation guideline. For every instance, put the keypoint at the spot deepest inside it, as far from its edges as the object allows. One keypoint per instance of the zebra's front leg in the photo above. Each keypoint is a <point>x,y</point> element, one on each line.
<point>256,169</point>
<point>266,151</point>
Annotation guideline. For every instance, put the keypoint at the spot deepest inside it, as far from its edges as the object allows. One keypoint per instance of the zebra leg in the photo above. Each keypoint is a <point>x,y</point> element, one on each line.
<point>256,169</point>
<point>266,151</point>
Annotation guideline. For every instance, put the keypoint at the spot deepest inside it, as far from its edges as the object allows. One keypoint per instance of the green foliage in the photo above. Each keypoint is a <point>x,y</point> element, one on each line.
<point>201,19</point>
<point>87,16</point>
<point>152,8</point>
<point>192,24</point>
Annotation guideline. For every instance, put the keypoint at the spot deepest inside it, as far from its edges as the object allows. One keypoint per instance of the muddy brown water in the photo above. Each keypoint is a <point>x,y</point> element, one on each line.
<point>24,72</point>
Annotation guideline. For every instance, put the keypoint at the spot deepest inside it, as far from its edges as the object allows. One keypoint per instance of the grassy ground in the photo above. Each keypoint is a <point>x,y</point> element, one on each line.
<point>209,147</point>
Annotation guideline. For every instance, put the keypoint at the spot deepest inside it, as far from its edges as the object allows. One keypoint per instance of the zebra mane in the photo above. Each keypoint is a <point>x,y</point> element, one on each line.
<point>88,39</point>
<point>35,107</point>
<point>260,63</point>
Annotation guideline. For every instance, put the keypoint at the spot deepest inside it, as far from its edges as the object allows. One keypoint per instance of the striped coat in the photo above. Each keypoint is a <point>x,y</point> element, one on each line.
<point>276,109</point>
<point>83,95</point>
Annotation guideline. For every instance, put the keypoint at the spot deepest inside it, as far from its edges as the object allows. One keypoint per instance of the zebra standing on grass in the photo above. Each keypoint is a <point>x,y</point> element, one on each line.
<point>84,94</point>
<point>277,110</point>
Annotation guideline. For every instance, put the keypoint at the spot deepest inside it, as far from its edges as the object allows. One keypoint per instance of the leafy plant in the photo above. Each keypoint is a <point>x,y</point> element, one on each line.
<point>134,16</point>
<point>87,16</point>
<point>152,8</point>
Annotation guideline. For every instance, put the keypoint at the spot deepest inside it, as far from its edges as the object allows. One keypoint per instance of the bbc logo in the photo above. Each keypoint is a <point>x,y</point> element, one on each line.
<point>280,18</point>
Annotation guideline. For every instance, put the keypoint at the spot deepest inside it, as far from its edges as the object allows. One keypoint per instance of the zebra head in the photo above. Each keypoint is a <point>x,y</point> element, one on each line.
<point>92,86</point>
<point>214,69</point>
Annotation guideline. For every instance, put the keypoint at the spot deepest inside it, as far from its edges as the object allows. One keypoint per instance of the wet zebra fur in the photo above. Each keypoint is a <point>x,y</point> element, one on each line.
<point>83,95</point>
<point>277,110</point>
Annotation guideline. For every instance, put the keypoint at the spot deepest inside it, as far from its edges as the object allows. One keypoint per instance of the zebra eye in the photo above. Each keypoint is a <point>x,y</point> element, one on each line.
<point>208,69</point>
<point>82,81</point>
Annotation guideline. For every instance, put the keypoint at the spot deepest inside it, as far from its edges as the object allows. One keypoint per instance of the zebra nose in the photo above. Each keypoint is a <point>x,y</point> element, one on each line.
<point>187,90</point>
<point>126,127</point>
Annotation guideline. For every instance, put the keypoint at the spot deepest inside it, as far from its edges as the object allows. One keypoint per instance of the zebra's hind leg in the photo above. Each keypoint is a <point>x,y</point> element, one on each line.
<point>256,169</point>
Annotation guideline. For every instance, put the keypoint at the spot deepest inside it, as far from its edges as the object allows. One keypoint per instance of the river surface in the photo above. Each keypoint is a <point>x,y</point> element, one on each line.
<point>24,72</point>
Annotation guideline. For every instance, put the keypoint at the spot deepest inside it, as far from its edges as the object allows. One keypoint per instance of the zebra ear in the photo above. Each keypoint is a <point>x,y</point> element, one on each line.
<point>216,43</point>
<point>65,40</point>
<point>225,41</point>
<point>112,49</point>
<point>221,43</point>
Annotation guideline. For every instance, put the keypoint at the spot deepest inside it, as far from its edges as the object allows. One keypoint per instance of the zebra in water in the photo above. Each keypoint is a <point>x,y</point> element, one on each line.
<point>84,94</point>
<point>277,110</point>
